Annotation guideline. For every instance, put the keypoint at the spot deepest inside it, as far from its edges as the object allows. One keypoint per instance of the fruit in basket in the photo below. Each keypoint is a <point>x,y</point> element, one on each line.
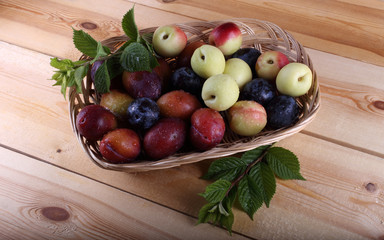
<point>117,102</point>
<point>179,104</point>
<point>247,118</point>
<point>294,79</point>
<point>142,84</point>
<point>259,90</point>
<point>207,61</point>
<point>164,71</point>
<point>269,64</point>
<point>184,58</point>
<point>282,111</point>
<point>186,79</point>
<point>220,92</point>
<point>120,146</point>
<point>239,70</point>
<point>93,121</point>
<point>169,40</point>
<point>165,138</point>
<point>227,37</point>
<point>207,128</point>
<point>143,113</point>
<point>250,56</point>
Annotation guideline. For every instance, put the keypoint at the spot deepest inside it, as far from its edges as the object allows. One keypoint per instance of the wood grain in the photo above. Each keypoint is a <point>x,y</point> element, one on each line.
<point>351,29</point>
<point>33,109</point>
<point>40,201</point>
<point>340,152</point>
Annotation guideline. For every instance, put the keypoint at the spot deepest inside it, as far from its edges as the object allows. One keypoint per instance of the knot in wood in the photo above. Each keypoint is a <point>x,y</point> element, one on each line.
<point>370,187</point>
<point>55,213</point>
<point>88,25</point>
<point>379,104</point>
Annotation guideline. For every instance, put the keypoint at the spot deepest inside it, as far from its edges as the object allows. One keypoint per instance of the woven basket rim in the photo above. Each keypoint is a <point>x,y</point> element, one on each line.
<point>262,35</point>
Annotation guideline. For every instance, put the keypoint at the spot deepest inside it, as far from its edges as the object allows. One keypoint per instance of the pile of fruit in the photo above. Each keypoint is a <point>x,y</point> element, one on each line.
<point>211,87</point>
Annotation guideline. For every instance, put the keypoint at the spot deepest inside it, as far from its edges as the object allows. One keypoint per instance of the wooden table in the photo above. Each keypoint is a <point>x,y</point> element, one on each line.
<point>49,188</point>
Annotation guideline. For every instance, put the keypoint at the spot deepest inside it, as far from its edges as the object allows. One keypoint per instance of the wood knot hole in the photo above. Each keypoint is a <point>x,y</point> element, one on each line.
<point>168,1</point>
<point>88,25</point>
<point>58,150</point>
<point>370,187</point>
<point>379,104</point>
<point>55,213</point>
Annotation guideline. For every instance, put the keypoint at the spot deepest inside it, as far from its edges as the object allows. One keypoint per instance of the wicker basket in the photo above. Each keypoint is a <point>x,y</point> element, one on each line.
<point>261,35</point>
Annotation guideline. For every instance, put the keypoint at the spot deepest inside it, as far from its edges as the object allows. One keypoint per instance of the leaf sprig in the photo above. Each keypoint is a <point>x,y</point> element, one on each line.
<point>251,179</point>
<point>136,54</point>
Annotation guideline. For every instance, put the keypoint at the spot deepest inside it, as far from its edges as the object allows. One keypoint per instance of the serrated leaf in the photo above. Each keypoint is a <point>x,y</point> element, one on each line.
<point>85,43</point>
<point>129,26</point>
<point>102,51</point>
<point>222,210</point>
<point>284,163</point>
<point>250,197</point>
<point>225,168</point>
<point>63,65</point>
<point>205,211</point>
<point>114,67</point>
<point>79,75</point>
<point>135,57</point>
<point>153,61</point>
<point>252,155</point>
<point>264,178</point>
<point>64,86</point>
<point>216,191</point>
<point>227,221</point>
<point>102,79</point>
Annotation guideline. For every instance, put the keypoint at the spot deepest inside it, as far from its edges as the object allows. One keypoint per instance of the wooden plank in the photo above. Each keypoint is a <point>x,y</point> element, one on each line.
<point>49,23</point>
<point>351,29</point>
<point>41,201</point>
<point>36,113</point>
<point>345,98</point>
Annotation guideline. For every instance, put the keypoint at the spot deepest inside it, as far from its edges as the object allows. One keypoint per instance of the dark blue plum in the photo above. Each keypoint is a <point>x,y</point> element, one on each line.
<point>250,56</point>
<point>143,113</point>
<point>186,79</point>
<point>259,90</point>
<point>282,111</point>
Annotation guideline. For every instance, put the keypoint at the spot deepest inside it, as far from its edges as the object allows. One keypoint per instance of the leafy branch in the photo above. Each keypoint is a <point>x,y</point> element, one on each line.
<point>250,179</point>
<point>136,54</point>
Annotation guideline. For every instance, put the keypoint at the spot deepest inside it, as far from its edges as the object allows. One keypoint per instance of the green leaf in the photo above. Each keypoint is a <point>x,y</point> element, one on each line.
<point>153,61</point>
<point>102,51</point>
<point>205,212</point>
<point>102,79</point>
<point>79,75</point>
<point>63,65</point>
<point>114,67</point>
<point>284,163</point>
<point>129,26</point>
<point>135,57</point>
<point>252,155</point>
<point>227,221</point>
<point>250,197</point>
<point>225,168</point>
<point>264,178</point>
<point>216,191</point>
<point>85,43</point>
<point>64,86</point>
